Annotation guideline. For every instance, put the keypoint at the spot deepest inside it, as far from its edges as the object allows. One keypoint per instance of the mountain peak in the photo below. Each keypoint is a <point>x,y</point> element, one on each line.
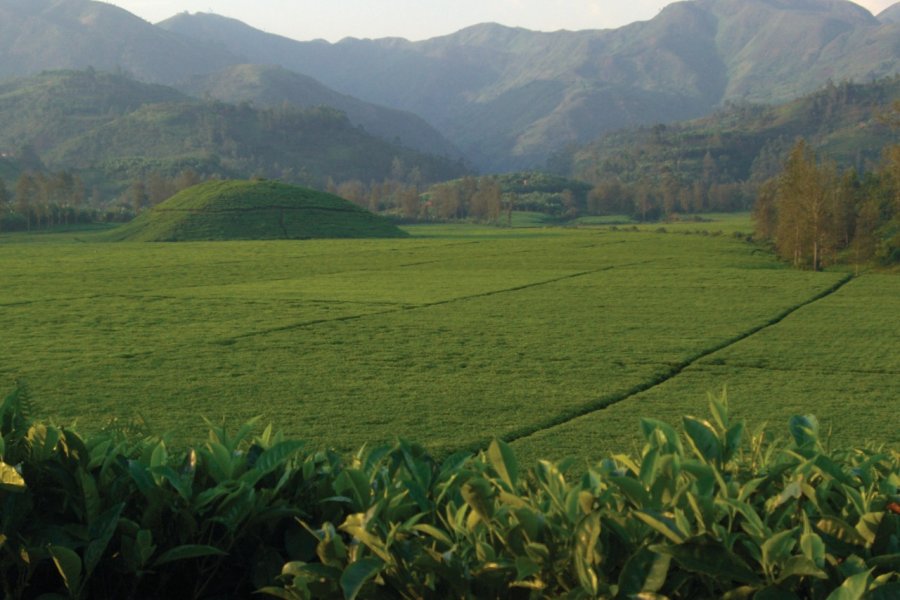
<point>891,14</point>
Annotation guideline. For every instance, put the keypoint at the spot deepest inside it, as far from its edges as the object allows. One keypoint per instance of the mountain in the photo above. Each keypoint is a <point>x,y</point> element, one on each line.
<point>113,128</point>
<point>745,142</point>
<point>37,35</point>
<point>508,97</point>
<point>271,86</point>
<point>891,14</point>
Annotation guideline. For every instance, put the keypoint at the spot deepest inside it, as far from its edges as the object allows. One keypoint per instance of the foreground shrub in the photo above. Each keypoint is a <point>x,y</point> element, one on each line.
<point>713,512</point>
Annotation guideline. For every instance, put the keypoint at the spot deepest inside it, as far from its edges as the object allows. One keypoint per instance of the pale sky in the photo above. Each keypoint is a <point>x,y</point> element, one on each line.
<point>413,19</point>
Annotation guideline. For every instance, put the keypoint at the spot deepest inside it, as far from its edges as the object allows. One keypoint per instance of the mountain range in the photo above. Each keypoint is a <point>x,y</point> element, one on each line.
<point>505,97</point>
<point>113,130</point>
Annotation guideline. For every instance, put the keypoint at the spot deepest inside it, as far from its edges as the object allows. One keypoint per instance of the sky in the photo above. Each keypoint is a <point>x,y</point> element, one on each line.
<point>413,19</point>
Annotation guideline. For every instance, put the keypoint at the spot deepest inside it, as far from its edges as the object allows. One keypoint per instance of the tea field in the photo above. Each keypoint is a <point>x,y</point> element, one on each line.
<point>557,340</point>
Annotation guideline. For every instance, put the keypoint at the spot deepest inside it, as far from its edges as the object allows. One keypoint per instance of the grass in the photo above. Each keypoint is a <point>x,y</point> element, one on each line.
<point>449,337</point>
<point>253,210</point>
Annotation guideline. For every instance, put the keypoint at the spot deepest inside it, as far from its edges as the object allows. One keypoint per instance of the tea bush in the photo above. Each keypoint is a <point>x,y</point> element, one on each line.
<point>714,511</point>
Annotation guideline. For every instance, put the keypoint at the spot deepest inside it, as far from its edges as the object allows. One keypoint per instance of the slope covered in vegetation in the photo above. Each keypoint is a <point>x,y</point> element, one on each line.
<point>113,130</point>
<point>253,210</point>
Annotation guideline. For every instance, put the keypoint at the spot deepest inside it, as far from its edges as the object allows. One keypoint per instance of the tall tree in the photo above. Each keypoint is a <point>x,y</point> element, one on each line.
<point>801,234</point>
<point>765,213</point>
<point>26,195</point>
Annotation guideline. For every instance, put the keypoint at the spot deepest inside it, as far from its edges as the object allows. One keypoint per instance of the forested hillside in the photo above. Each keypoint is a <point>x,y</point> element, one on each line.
<point>717,163</point>
<point>267,86</point>
<point>113,130</point>
<point>506,97</point>
<point>509,97</point>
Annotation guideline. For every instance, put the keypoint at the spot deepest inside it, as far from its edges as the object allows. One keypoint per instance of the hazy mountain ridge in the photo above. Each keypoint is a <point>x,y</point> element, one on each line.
<point>272,86</point>
<point>38,35</point>
<point>745,142</point>
<point>113,129</point>
<point>506,97</point>
<point>509,96</point>
<point>891,14</point>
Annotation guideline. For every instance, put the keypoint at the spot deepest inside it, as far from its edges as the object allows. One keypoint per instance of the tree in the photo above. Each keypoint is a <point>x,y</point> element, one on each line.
<point>765,214</point>
<point>136,196</point>
<point>4,201</point>
<point>446,201</point>
<point>409,201</point>
<point>354,191</point>
<point>866,226</point>
<point>187,178</point>
<point>26,197</point>
<point>801,233</point>
<point>159,188</point>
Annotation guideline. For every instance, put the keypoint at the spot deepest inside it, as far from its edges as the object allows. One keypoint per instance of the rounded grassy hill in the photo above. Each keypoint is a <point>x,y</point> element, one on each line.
<point>253,210</point>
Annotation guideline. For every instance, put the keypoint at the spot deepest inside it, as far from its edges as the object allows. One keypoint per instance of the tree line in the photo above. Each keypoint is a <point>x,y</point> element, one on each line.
<point>816,215</point>
<point>43,200</point>
<point>40,200</point>
<point>719,164</point>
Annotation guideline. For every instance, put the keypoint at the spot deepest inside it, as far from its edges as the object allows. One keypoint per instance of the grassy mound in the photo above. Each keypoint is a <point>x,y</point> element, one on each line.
<point>253,210</point>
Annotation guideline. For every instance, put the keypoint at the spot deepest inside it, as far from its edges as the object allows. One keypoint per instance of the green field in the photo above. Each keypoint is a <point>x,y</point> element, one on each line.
<point>559,339</point>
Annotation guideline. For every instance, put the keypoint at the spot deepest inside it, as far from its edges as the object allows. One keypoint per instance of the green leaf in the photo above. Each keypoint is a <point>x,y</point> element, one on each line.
<point>357,574</point>
<point>142,478</point>
<point>703,438</point>
<point>434,532</point>
<point>733,439</point>
<point>777,549</point>
<point>887,591</point>
<point>800,566</point>
<point>672,444</point>
<point>178,483</point>
<point>805,429</point>
<point>277,455</point>
<point>68,563</point>
<point>354,484</point>
<point>841,530</point>
<point>813,548</point>
<point>853,588</point>
<point>633,490</point>
<point>503,459</point>
<point>186,552</point>
<point>663,525</point>
<point>525,568</point>
<point>586,536</point>
<point>644,571</point>
<point>101,532</point>
<point>718,407</point>
<point>868,526</point>
<point>10,480</point>
<point>478,495</point>
<point>709,559</point>
<point>160,456</point>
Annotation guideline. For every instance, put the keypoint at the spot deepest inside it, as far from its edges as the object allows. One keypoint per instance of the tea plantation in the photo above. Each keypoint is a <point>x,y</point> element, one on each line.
<point>556,340</point>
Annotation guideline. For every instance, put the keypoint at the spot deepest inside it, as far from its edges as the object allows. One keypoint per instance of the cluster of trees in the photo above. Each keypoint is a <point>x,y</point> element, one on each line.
<point>489,198</point>
<point>815,215</point>
<point>719,163</point>
<point>671,195</point>
<point>40,200</point>
<point>399,193</point>
<point>468,198</point>
<point>155,187</point>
